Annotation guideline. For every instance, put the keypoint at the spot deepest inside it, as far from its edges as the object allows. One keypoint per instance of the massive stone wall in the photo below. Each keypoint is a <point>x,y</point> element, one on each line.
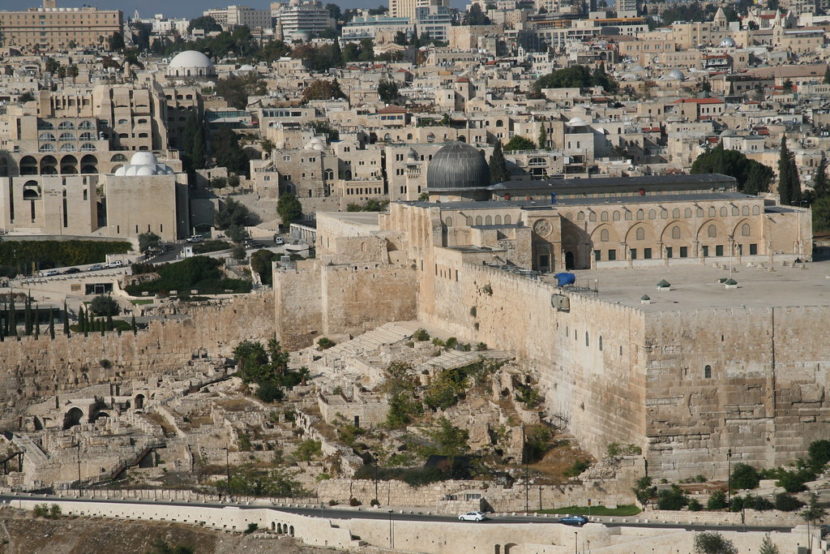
<point>33,368</point>
<point>747,380</point>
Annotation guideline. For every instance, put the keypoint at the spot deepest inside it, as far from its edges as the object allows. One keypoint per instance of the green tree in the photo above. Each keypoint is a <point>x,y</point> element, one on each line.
<point>644,490</point>
<point>228,152</point>
<point>289,208</point>
<point>820,185</point>
<point>713,543</point>
<point>813,514</point>
<point>498,165</point>
<point>261,265</point>
<point>52,323</point>
<point>321,89</point>
<point>388,91</point>
<point>474,16</point>
<point>767,547</point>
<point>232,213</point>
<point>450,440</point>
<point>744,477</point>
<point>717,501</point>
<point>65,320</point>
<point>205,23</point>
<point>147,241</point>
<point>519,142</point>
<point>819,454</point>
<point>543,137</point>
<point>752,177</point>
<point>789,183</point>
<point>821,214</point>
<point>103,305</point>
<point>236,89</point>
<point>671,499</point>
<point>115,42</point>
<point>51,66</point>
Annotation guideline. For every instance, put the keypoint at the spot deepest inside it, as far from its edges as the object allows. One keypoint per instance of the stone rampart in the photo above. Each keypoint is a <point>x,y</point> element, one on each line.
<point>32,368</point>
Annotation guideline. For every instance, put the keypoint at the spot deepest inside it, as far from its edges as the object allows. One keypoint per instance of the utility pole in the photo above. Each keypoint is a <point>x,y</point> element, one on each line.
<point>527,483</point>
<point>728,476</point>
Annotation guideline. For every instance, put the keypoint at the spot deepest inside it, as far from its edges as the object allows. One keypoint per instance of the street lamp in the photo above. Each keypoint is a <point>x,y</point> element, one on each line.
<point>576,542</point>
<point>728,475</point>
<point>391,531</point>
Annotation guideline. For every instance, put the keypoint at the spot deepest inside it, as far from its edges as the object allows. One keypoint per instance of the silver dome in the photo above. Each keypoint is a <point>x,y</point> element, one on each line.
<point>457,166</point>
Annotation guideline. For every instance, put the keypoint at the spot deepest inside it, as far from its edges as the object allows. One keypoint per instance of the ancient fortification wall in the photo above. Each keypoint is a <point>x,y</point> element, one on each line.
<point>32,368</point>
<point>592,379</point>
<point>762,396</point>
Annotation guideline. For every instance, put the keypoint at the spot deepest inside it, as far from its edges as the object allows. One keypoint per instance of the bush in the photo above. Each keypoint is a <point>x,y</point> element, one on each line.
<point>251,528</point>
<point>577,468</point>
<point>671,499</point>
<point>261,265</point>
<point>713,543</point>
<point>694,505</point>
<point>309,449</point>
<point>787,503</point>
<point>744,477</point>
<point>374,502</point>
<point>147,241</point>
<point>717,501</point>
<point>421,335</point>
<point>819,454</point>
<point>354,501</point>
<point>104,305</point>
<point>793,481</point>
<point>325,343</point>
<point>234,213</point>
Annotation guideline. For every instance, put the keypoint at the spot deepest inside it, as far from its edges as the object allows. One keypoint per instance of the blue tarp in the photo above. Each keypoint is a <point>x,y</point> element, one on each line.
<point>563,279</point>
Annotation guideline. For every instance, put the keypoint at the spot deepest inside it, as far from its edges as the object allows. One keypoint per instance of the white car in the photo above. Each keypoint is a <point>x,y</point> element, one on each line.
<point>472,516</point>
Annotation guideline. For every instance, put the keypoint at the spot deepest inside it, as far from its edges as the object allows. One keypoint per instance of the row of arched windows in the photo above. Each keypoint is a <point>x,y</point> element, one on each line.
<point>483,220</point>
<point>711,232</point>
<point>641,214</point>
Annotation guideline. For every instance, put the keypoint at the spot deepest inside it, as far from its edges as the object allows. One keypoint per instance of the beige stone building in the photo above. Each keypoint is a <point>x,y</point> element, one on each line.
<point>50,29</point>
<point>616,365</point>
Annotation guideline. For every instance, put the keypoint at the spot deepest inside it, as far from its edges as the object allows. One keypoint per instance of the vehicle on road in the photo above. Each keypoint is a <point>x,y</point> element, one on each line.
<point>194,238</point>
<point>579,521</point>
<point>472,516</point>
<point>114,264</point>
<point>52,273</point>
<point>96,267</point>
<point>279,241</point>
<point>71,271</point>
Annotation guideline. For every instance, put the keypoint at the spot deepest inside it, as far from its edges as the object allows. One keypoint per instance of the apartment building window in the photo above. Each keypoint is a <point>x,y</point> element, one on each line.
<point>647,253</point>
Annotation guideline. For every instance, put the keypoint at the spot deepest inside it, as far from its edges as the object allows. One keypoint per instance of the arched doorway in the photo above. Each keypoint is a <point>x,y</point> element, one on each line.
<point>28,166</point>
<point>73,417</point>
<point>69,165</point>
<point>48,165</point>
<point>139,402</point>
<point>89,164</point>
<point>569,260</point>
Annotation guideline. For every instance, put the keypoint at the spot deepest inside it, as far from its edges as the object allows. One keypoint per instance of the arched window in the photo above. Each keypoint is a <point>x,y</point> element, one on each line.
<point>431,137</point>
<point>675,232</point>
<point>664,214</point>
<point>723,211</point>
<point>508,220</point>
<point>478,220</point>
<point>67,136</point>
<point>712,231</point>
<point>745,230</point>
<point>756,210</point>
<point>603,216</point>
<point>66,125</point>
<point>699,212</point>
<point>652,214</point>
<point>687,212</point>
<point>122,122</point>
<point>603,235</point>
<point>497,220</point>
<point>46,137</point>
<point>88,136</point>
<point>47,147</point>
<point>745,210</point>
<point>67,147</point>
<point>735,210</point>
<point>580,216</point>
<point>87,147</point>
<point>640,234</point>
<point>488,220</point>
<point>119,158</point>
<point>640,215</point>
<point>707,372</point>
<point>675,213</point>
<point>449,222</point>
<point>712,211</point>
<point>592,216</point>
<point>628,215</point>
<point>499,123</point>
<point>85,125</point>
<point>616,216</point>
<point>31,190</point>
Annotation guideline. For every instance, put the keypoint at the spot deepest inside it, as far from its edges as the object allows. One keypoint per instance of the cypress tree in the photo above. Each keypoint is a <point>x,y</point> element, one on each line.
<point>27,316</point>
<point>498,166</point>
<point>81,320</point>
<point>37,322</point>
<point>52,323</point>
<point>135,329</point>
<point>65,320</point>
<point>543,137</point>
<point>784,172</point>
<point>85,328</point>
<point>820,185</point>
<point>827,75</point>
<point>12,318</point>
<point>101,326</point>
<point>109,322</point>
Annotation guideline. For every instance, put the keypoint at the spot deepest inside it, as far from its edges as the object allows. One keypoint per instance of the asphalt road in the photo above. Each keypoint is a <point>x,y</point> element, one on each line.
<point>381,513</point>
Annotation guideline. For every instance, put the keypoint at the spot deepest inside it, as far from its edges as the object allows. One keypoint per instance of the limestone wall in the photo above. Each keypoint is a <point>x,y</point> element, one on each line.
<point>33,368</point>
<point>297,307</point>
<point>590,359</point>
<point>762,396</point>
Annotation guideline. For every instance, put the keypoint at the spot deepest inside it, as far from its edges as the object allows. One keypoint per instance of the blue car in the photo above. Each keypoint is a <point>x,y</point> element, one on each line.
<point>579,521</point>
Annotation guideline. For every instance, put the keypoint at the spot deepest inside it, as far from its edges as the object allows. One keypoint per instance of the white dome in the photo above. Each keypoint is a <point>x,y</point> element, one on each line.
<point>315,144</point>
<point>120,172</point>
<point>675,75</point>
<point>131,170</point>
<point>576,122</point>
<point>145,170</point>
<point>190,59</point>
<point>143,158</point>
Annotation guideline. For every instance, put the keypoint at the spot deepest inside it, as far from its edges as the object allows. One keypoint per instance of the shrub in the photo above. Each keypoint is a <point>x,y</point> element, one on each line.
<point>713,543</point>
<point>421,335</point>
<point>261,265</point>
<point>309,449</point>
<point>787,503</point>
<point>671,499</point>
<point>374,502</point>
<point>251,528</point>
<point>717,501</point>
<point>744,477</point>
<point>104,305</point>
<point>793,481</point>
<point>200,273</point>
<point>354,501</point>
<point>819,453</point>
<point>43,254</point>
<point>577,468</point>
<point>325,343</point>
<point>41,510</point>
<point>105,363</point>
<point>694,505</point>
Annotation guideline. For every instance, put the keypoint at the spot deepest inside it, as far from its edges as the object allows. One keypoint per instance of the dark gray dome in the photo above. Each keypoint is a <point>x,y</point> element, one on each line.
<point>457,166</point>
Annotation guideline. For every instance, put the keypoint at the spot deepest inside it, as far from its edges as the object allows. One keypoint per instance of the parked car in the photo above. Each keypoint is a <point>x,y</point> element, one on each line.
<point>114,264</point>
<point>579,521</point>
<point>96,267</point>
<point>472,516</point>
<point>279,241</point>
<point>194,238</point>
<point>71,271</point>
<point>52,273</point>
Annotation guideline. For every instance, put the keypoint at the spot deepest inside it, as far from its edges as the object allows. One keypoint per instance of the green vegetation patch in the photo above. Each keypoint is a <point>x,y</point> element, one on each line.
<point>625,510</point>
<point>26,256</point>
<point>199,273</point>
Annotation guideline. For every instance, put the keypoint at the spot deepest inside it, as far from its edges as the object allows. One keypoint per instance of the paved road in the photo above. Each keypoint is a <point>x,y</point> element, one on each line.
<point>381,513</point>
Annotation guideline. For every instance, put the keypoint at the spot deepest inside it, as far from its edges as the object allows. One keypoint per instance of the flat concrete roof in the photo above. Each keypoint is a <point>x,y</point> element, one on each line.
<point>354,218</point>
<point>695,286</point>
